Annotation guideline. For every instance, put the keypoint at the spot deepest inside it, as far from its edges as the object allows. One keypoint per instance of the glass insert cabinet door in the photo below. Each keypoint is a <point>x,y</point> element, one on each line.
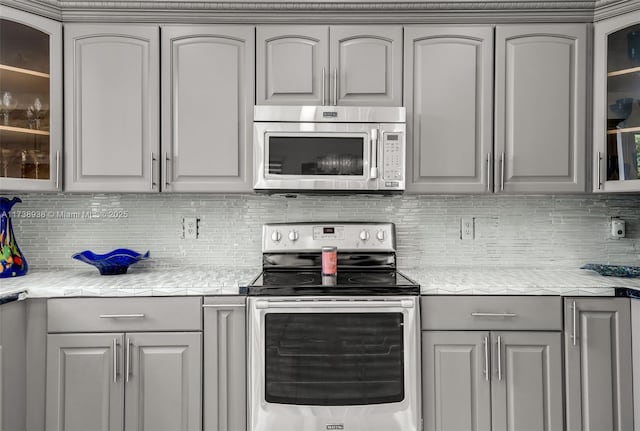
<point>617,105</point>
<point>30,94</point>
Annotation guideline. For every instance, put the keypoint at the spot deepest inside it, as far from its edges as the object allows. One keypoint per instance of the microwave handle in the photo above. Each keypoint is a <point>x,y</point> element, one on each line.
<point>374,154</point>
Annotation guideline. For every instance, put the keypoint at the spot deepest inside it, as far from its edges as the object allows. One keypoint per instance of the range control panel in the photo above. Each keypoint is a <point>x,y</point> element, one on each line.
<point>349,236</point>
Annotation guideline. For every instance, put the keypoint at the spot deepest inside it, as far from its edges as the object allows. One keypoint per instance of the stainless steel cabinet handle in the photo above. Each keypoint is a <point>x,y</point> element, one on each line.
<point>122,316</point>
<point>165,171</point>
<point>599,168</point>
<point>223,306</point>
<point>502,171</point>
<point>57,170</point>
<point>485,342</point>
<point>115,360</point>
<point>573,317</point>
<point>374,154</point>
<point>323,89</point>
<point>489,172</point>
<point>480,314</point>
<point>127,369</point>
<point>335,86</point>
<point>153,160</point>
<point>499,358</point>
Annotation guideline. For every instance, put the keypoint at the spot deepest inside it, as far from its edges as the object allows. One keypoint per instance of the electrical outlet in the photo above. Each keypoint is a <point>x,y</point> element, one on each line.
<point>190,227</point>
<point>467,230</point>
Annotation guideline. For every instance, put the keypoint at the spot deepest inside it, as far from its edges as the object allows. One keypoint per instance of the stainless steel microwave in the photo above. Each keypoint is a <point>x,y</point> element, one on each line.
<point>329,148</point>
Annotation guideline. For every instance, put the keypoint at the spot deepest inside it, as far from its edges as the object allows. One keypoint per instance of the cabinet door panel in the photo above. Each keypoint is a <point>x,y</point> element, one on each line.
<point>111,107</point>
<point>224,364</point>
<point>527,395</point>
<point>368,61</point>
<point>289,64</point>
<point>598,365</point>
<point>81,391</point>
<point>163,389</point>
<point>207,89</point>
<point>456,392</point>
<point>448,95</point>
<point>540,107</point>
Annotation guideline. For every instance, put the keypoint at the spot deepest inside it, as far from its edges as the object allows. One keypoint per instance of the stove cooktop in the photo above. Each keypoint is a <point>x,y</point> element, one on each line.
<point>311,283</point>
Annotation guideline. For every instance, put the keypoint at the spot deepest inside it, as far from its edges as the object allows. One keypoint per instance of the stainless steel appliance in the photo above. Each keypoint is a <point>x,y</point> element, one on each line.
<point>332,353</point>
<point>329,148</point>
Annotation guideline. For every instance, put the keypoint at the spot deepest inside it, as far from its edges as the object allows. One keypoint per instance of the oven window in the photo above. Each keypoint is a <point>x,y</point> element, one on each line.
<point>334,359</point>
<point>316,155</point>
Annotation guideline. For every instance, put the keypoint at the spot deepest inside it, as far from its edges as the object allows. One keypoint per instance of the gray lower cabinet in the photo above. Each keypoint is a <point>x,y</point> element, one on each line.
<point>208,75</point>
<point>13,389</point>
<point>84,382</point>
<point>359,65</point>
<point>140,378</point>
<point>111,119</point>
<point>448,92</point>
<point>492,381</point>
<point>540,107</point>
<point>224,368</point>
<point>144,381</point>
<point>598,363</point>
<point>456,392</point>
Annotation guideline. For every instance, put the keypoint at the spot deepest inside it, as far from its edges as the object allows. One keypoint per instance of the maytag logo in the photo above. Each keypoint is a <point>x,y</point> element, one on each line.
<point>335,426</point>
<point>330,114</point>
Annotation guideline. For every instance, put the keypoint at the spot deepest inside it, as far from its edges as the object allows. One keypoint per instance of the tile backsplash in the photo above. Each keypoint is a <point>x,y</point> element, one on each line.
<point>536,231</point>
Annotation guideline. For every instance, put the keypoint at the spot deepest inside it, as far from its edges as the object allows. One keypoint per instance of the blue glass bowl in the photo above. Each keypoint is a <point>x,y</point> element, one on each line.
<point>613,270</point>
<point>112,263</point>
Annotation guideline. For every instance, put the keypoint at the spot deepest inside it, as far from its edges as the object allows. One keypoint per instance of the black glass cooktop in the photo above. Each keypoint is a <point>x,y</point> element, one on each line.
<point>312,283</point>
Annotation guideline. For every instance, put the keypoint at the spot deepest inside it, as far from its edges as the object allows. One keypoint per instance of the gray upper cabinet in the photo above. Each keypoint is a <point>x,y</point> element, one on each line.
<point>84,382</point>
<point>322,65</point>
<point>366,65</point>
<point>207,104</point>
<point>111,107</point>
<point>225,390</point>
<point>292,65</point>
<point>616,113</point>
<point>598,364</point>
<point>540,108</point>
<point>448,90</point>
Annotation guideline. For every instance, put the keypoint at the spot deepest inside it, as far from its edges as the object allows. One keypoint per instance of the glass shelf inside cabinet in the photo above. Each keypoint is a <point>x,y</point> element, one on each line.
<point>623,105</point>
<point>24,102</point>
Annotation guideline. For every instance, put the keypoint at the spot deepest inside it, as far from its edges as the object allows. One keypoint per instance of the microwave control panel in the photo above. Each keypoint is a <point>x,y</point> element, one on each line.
<point>392,157</point>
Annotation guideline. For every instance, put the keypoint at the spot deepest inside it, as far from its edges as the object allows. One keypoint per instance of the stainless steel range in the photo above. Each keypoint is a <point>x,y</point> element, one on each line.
<point>332,352</point>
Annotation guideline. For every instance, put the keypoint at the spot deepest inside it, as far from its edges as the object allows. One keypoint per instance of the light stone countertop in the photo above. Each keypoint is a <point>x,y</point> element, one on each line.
<point>223,281</point>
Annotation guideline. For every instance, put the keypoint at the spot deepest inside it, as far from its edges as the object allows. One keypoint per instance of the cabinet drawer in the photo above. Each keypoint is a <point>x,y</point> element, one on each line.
<point>491,313</point>
<point>124,314</point>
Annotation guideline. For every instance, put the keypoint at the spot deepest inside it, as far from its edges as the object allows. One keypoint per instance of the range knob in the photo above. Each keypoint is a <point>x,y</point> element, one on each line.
<point>364,235</point>
<point>380,235</point>
<point>293,235</point>
<point>276,236</point>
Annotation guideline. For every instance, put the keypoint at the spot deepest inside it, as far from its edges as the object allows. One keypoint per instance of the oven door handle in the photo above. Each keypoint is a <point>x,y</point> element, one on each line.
<point>263,304</point>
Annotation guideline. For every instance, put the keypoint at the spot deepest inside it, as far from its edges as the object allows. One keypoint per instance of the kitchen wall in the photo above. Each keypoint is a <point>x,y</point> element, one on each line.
<point>533,231</point>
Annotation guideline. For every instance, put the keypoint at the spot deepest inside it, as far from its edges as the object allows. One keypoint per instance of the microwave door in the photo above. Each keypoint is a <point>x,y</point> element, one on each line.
<point>319,159</point>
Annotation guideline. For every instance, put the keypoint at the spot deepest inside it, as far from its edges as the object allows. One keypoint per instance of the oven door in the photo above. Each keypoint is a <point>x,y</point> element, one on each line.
<point>318,364</point>
<point>315,156</point>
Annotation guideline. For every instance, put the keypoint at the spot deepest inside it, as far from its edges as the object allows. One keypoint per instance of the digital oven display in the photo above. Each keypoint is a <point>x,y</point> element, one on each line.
<point>328,232</point>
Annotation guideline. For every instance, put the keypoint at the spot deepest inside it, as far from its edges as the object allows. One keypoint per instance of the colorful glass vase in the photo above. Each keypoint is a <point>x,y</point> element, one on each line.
<point>12,262</point>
